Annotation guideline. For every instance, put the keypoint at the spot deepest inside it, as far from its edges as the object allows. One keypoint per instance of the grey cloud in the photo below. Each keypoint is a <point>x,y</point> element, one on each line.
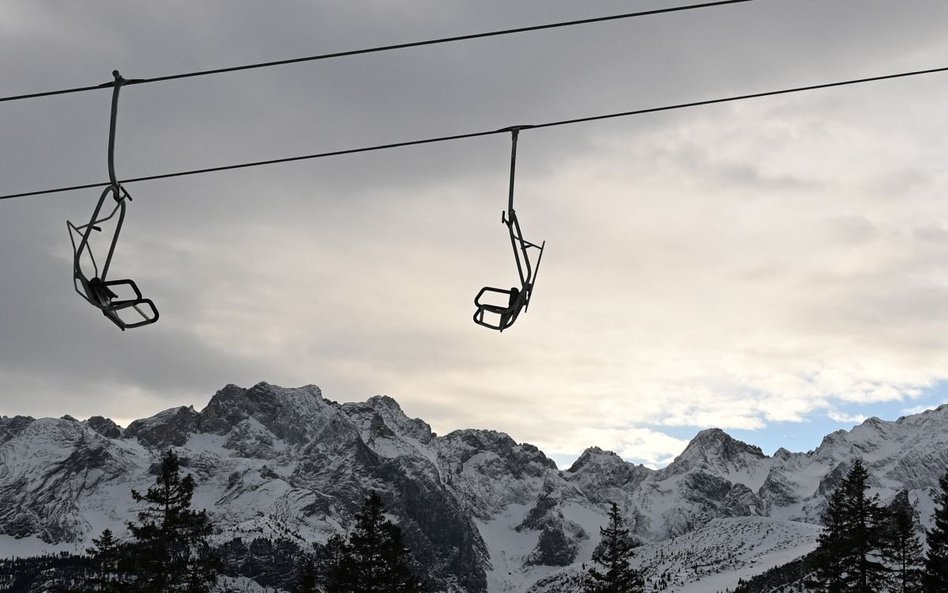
<point>357,272</point>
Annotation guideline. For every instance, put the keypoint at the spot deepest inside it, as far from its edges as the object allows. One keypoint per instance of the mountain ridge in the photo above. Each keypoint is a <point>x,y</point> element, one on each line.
<point>483,512</point>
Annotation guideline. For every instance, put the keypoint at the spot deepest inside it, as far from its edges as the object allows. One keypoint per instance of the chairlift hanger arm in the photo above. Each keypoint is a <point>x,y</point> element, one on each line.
<point>514,134</point>
<point>118,192</point>
<point>116,88</point>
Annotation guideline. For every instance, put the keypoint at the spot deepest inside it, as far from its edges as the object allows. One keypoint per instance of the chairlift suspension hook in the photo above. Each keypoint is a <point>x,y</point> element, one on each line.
<point>118,192</point>
<point>514,134</point>
<point>117,84</point>
<point>116,87</point>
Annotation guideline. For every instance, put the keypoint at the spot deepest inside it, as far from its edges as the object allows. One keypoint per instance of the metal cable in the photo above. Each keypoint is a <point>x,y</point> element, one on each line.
<point>487,133</point>
<point>381,48</point>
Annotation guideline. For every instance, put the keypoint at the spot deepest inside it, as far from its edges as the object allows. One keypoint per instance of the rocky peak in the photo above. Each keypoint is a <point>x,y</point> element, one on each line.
<point>489,470</point>
<point>104,426</point>
<point>295,415</point>
<point>519,458</point>
<point>715,440</point>
<point>832,438</point>
<point>596,471</point>
<point>782,454</point>
<point>843,444</point>
<point>386,402</point>
<point>10,427</point>
<point>717,452</point>
<point>595,457</point>
<point>382,415</point>
<point>164,429</point>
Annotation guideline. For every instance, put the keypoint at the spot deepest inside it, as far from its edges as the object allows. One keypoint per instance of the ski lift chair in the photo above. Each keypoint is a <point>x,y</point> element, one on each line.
<point>503,312</point>
<point>119,300</point>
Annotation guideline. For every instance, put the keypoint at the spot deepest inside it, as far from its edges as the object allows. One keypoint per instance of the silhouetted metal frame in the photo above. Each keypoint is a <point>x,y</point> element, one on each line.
<point>517,299</point>
<point>98,290</point>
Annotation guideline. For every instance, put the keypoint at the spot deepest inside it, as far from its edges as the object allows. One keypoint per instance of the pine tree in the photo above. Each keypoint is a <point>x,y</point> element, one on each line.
<point>396,558</point>
<point>339,566</point>
<point>107,562</point>
<point>611,571</point>
<point>373,559</point>
<point>308,579</point>
<point>171,550</point>
<point>848,558</point>
<point>865,533</point>
<point>936,561</point>
<point>831,547</point>
<point>366,541</point>
<point>903,547</point>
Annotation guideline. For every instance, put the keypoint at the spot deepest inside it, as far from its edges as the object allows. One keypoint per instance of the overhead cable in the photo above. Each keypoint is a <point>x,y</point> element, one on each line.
<point>381,48</point>
<point>505,130</point>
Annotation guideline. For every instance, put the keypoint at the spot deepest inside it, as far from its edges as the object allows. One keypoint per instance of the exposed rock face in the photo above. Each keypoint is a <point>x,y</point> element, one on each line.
<point>292,415</point>
<point>105,427</point>
<point>597,473</point>
<point>778,490</point>
<point>554,547</point>
<point>166,429</point>
<point>10,427</point>
<point>481,511</point>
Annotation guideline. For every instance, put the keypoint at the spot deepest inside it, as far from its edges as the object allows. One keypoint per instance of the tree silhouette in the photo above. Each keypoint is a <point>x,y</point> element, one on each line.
<point>865,523</point>
<point>611,571</point>
<point>849,557</point>
<point>171,549</point>
<point>109,561</point>
<point>903,548</point>
<point>831,547</point>
<point>936,561</point>
<point>373,559</point>
<point>308,580</point>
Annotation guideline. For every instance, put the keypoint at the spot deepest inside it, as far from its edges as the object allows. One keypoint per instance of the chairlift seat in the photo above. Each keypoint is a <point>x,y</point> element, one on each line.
<point>505,314</point>
<point>126,313</point>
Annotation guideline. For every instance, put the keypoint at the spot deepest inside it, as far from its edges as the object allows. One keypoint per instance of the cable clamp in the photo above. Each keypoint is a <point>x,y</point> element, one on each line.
<point>516,128</point>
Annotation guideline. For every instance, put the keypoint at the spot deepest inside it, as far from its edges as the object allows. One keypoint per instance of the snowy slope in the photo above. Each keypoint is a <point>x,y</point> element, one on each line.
<point>712,558</point>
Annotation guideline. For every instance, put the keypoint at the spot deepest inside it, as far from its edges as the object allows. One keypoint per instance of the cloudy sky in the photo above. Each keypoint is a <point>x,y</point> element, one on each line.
<point>777,268</point>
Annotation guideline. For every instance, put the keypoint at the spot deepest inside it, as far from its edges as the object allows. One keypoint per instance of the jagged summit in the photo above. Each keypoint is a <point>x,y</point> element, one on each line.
<point>834,437</point>
<point>715,450</point>
<point>169,427</point>
<point>782,453</point>
<point>104,426</point>
<point>938,410</point>
<point>383,413</point>
<point>602,476</point>
<point>519,458</point>
<point>11,426</point>
<point>593,457</point>
<point>294,414</point>
<point>715,438</point>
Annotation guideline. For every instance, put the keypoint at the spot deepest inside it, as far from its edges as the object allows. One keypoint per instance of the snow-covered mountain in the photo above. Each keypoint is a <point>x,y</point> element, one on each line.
<point>484,513</point>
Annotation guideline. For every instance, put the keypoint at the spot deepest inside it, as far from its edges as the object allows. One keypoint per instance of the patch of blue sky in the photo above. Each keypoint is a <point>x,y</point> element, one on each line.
<point>808,434</point>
